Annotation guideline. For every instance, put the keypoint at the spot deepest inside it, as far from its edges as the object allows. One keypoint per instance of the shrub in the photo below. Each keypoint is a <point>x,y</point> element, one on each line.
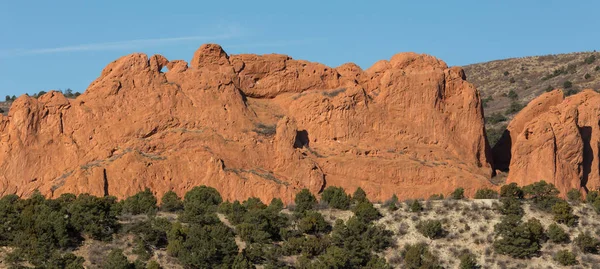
<point>436,197</point>
<point>556,234</point>
<point>143,202</point>
<point>549,88</point>
<point>574,196</point>
<point>563,213</point>
<point>565,258</point>
<point>590,59</point>
<point>467,261</point>
<point>458,194</point>
<point>494,134</point>
<point>336,197</point>
<point>418,256</point>
<point>486,194</point>
<point>170,202</point>
<point>567,84</point>
<point>506,73</point>
<point>430,228</point>
<point>542,194</point>
<point>392,203</point>
<point>305,200</point>
<point>512,80</point>
<point>313,223</point>
<point>241,261</point>
<point>596,69</point>
<point>512,94</point>
<point>366,211</point>
<point>208,246</point>
<point>519,240</point>
<point>511,206</point>
<point>116,260</point>
<point>200,205</point>
<point>587,243</point>
<point>359,196</point>
<point>587,76</point>
<point>416,206</point>
<point>514,108</point>
<point>591,197</point>
<point>153,265</point>
<point>495,118</point>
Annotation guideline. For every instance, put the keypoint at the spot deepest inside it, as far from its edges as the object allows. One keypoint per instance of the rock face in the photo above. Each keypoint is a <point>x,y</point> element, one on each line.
<point>555,139</point>
<point>250,125</point>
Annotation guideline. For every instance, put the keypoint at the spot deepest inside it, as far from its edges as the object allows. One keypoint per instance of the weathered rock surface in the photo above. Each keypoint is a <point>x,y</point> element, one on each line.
<point>556,139</point>
<point>251,125</point>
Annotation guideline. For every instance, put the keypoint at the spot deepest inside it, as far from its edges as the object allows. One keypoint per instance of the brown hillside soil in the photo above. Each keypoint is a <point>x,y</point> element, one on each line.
<point>250,125</point>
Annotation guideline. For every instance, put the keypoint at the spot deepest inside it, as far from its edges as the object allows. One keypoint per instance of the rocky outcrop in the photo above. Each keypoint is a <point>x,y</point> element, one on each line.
<point>251,125</point>
<point>556,140</point>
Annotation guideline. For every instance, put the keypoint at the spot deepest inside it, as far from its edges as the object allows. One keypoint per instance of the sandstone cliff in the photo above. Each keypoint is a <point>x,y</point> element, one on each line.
<point>554,139</point>
<point>252,125</point>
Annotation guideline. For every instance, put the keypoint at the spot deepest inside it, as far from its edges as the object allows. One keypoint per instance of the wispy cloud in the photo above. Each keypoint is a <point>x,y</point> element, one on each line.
<point>120,45</point>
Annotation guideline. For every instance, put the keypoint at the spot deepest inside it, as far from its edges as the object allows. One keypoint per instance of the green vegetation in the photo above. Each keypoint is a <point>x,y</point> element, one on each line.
<point>512,95</point>
<point>336,197</point>
<point>458,194</point>
<point>557,234</point>
<point>567,84</point>
<point>486,194</point>
<point>207,232</point>
<point>495,118</point>
<point>418,256</point>
<point>574,196</point>
<point>565,258</point>
<point>590,59</point>
<point>494,134</point>
<point>305,201</point>
<point>514,107</point>
<point>430,228</point>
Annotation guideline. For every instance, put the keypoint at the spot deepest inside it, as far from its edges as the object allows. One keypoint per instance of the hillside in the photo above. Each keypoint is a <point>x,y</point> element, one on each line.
<point>529,77</point>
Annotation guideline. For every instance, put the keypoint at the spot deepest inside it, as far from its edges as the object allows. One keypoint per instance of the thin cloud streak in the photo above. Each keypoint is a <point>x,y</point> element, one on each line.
<point>118,45</point>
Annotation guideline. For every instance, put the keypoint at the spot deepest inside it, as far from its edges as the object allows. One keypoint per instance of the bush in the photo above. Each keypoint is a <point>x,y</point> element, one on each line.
<point>415,206</point>
<point>494,134</point>
<point>592,196</point>
<point>512,80</point>
<point>436,197</point>
<point>430,228</point>
<point>467,261</point>
<point>200,205</point>
<point>556,234</point>
<point>366,212</point>
<point>116,260</point>
<point>563,213</point>
<point>418,256</point>
<point>565,258</point>
<point>512,94</point>
<point>590,60</point>
<point>486,194</point>
<point>313,223</point>
<point>336,197</point>
<point>359,196</point>
<point>542,194</point>
<point>458,194</point>
<point>596,69</point>
<point>519,240</point>
<point>143,202</point>
<point>514,108</point>
<point>305,201</point>
<point>567,84</point>
<point>587,243</point>
<point>587,76</point>
<point>549,88</point>
<point>208,246</point>
<point>170,202</point>
<point>495,118</point>
<point>392,203</point>
<point>511,206</point>
<point>574,196</point>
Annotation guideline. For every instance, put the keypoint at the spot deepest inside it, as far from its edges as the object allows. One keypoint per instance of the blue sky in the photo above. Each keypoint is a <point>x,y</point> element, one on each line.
<point>65,44</point>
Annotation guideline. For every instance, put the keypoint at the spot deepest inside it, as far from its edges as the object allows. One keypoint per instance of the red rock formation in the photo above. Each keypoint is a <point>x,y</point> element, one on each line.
<point>251,125</point>
<point>557,140</point>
